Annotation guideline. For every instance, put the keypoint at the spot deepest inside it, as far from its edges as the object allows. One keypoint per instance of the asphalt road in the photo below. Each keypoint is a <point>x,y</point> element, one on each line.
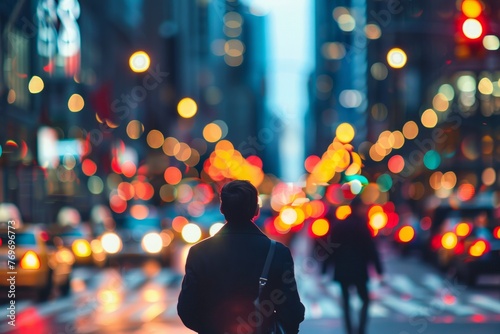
<point>415,298</point>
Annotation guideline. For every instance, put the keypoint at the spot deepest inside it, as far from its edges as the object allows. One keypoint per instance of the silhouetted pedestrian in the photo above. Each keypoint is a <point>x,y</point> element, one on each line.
<point>355,251</point>
<point>223,272</point>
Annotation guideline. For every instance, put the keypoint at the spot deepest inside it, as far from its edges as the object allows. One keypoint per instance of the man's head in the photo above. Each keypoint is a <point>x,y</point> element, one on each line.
<point>238,201</point>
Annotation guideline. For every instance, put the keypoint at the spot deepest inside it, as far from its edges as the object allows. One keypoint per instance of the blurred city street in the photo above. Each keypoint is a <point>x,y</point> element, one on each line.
<point>142,299</point>
<point>369,122</point>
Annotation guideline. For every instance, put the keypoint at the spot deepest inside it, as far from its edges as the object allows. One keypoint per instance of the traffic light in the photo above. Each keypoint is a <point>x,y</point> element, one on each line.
<point>471,29</point>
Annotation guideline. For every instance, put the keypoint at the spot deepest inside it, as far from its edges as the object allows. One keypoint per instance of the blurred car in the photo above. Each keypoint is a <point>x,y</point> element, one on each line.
<point>479,251</point>
<point>137,235</point>
<point>69,231</point>
<point>450,227</point>
<point>464,239</point>
<point>81,241</point>
<point>39,268</point>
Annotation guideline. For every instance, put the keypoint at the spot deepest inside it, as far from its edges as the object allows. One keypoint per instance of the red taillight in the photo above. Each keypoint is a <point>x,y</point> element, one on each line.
<point>45,236</point>
<point>496,232</point>
<point>459,248</point>
<point>436,242</point>
<point>479,248</point>
<point>30,261</point>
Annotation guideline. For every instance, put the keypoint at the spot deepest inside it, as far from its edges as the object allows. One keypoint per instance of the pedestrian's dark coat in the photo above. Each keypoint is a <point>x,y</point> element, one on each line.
<point>355,250</point>
<point>221,283</point>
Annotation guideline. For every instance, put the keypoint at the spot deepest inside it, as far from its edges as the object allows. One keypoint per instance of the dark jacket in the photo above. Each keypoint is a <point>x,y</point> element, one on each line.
<point>222,282</point>
<point>355,250</point>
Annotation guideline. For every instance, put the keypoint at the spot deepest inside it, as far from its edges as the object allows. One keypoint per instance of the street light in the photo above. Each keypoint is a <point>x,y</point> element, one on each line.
<point>472,29</point>
<point>139,61</point>
<point>396,58</point>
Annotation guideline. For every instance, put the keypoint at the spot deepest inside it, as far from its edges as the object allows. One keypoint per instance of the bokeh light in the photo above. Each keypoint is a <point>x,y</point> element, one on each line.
<point>396,58</point>
<point>406,234</point>
<point>139,61</point>
<point>410,130</point>
<point>187,107</point>
<point>35,85</point>
<point>345,132</point>
<point>76,103</point>
<point>320,227</point>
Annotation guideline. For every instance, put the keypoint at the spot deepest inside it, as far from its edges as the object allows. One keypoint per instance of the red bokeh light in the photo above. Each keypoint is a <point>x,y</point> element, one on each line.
<point>311,162</point>
<point>89,167</point>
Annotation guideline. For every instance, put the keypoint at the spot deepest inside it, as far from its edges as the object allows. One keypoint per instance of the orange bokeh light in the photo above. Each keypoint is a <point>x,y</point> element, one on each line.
<point>406,234</point>
<point>172,175</point>
<point>320,227</point>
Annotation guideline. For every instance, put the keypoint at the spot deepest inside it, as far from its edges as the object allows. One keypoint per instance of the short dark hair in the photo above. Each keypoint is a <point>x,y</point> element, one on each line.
<point>238,200</point>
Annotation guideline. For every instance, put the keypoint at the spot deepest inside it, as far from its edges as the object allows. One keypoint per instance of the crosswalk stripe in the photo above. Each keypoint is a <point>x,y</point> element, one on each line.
<point>404,285</point>
<point>433,282</point>
<point>409,308</point>
<point>329,308</point>
<point>376,310</point>
<point>486,302</point>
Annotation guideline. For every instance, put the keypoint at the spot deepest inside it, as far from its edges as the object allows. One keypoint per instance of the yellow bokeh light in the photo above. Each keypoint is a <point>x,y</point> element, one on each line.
<point>463,229</point>
<point>447,180</point>
<point>155,139</point>
<point>320,227</point>
<point>485,86</point>
<point>343,212</point>
<point>440,102</point>
<point>212,132</point>
<point>410,130</point>
<point>187,107</point>
<point>135,129</point>
<point>139,62</point>
<point>378,220</point>
<point>288,215</point>
<point>345,132</point>
<point>169,146</point>
<point>399,139</point>
<point>449,240</point>
<point>396,58</point>
<point>478,248</point>
<point>429,118</point>
<point>406,234</point>
<point>472,8</point>
<point>35,85</point>
<point>76,103</point>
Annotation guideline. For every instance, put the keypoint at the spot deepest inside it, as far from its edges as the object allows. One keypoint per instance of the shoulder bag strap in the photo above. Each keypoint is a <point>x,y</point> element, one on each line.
<point>265,274</point>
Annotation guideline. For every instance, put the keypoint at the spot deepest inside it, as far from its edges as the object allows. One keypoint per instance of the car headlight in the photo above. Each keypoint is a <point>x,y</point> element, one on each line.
<point>152,243</point>
<point>30,260</point>
<point>81,248</point>
<point>111,243</point>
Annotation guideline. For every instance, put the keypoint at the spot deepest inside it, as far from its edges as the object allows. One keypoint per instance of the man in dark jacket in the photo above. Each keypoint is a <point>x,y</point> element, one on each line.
<point>222,275</point>
<point>356,251</point>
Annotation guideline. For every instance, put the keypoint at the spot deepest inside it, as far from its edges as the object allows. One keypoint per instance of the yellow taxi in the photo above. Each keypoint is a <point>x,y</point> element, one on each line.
<point>72,233</point>
<point>27,262</point>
